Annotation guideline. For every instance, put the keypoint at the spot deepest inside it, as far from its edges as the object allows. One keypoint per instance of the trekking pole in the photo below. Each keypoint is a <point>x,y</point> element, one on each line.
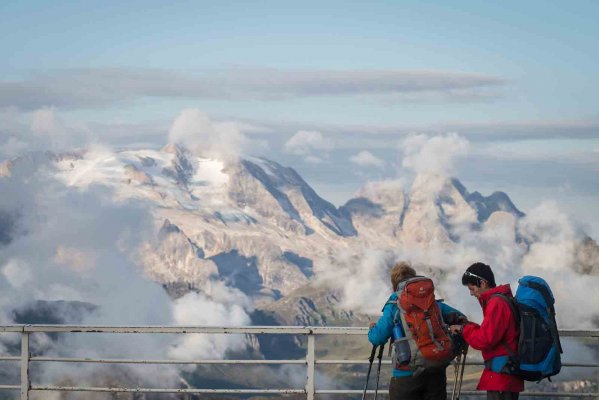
<point>371,359</point>
<point>462,372</point>
<point>378,372</point>
<point>456,374</point>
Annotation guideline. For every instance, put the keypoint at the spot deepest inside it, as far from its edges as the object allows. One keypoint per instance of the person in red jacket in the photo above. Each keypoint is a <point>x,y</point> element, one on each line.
<point>498,330</point>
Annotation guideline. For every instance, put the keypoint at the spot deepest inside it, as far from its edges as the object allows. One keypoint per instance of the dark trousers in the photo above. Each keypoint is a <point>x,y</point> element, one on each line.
<point>502,395</point>
<point>429,385</point>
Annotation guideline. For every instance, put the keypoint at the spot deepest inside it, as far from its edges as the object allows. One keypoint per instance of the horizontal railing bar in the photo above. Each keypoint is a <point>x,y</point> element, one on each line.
<point>469,393</point>
<point>315,330</point>
<point>168,329</point>
<point>579,333</point>
<point>245,362</point>
<point>388,362</point>
<point>153,390</point>
<point>11,328</point>
<point>384,362</point>
<point>271,391</point>
<point>10,358</point>
<point>135,361</point>
<point>10,387</point>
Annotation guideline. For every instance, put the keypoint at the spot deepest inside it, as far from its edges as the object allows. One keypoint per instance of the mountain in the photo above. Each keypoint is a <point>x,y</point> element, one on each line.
<point>257,226</point>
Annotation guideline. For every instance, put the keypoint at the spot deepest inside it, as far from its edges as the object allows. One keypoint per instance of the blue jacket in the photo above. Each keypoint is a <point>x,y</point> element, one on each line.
<point>382,331</point>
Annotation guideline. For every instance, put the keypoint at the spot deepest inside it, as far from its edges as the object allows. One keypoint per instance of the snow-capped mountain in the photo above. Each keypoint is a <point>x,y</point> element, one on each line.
<point>259,227</point>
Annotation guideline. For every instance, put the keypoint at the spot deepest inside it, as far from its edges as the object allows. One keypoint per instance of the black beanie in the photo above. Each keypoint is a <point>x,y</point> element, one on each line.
<point>484,271</point>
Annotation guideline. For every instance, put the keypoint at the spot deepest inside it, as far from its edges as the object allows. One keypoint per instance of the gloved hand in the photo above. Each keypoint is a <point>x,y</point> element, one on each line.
<point>456,329</point>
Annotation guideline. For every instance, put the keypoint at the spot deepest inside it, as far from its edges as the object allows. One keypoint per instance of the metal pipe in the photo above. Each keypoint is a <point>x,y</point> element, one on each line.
<point>161,390</point>
<point>134,361</point>
<point>297,330</point>
<point>310,357</point>
<point>477,393</point>
<point>25,383</point>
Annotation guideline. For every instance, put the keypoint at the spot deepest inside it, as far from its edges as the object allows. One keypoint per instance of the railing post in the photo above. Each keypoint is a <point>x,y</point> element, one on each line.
<point>25,355</point>
<point>310,360</point>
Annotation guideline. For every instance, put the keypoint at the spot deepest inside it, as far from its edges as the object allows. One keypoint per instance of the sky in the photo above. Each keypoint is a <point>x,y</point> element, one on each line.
<point>331,89</point>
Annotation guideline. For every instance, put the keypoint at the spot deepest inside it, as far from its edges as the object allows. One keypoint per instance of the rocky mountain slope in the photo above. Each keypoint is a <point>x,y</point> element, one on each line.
<point>257,226</point>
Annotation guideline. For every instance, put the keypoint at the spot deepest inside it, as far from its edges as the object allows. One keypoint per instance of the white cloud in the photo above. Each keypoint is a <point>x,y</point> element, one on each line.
<point>61,227</point>
<point>198,309</point>
<point>40,130</point>
<point>436,154</point>
<point>17,273</point>
<point>196,131</point>
<point>366,159</point>
<point>45,121</point>
<point>312,145</point>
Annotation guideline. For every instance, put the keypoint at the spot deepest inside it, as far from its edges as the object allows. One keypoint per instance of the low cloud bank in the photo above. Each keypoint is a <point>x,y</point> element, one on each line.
<point>71,256</point>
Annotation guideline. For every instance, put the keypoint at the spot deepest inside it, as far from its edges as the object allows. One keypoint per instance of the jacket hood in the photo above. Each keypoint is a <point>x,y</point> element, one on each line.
<point>505,290</point>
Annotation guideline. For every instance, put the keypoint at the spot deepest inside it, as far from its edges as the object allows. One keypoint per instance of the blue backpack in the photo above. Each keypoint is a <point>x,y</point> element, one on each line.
<point>539,347</point>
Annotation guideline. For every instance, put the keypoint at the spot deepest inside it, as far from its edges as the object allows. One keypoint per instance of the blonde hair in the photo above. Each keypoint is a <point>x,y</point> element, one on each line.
<point>401,271</point>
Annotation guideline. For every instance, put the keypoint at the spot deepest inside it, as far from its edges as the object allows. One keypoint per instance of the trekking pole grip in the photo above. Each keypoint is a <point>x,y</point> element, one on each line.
<point>372,353</point>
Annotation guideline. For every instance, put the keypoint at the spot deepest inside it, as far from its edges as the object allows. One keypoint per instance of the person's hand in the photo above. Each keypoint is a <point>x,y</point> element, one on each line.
<point>371,325</point>
<point>456,329</point>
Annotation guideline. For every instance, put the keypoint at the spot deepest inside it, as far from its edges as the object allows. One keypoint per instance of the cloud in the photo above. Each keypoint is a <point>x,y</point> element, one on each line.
<point>360,136</point>
<point>40,130</point>
<point>364,274</point>
<point>552,150</point>
<point>436,154</point>
<point>312,145</point>
<point>17,273</point>
<point>196,131</point>
<point>77,252</point>
<point>198,309</point>
<point>45,121</point>
<point>90,88</point>
<point>366,159</point>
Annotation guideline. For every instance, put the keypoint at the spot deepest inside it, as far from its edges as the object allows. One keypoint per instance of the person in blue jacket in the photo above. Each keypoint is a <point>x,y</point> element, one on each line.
<point>431,383</point>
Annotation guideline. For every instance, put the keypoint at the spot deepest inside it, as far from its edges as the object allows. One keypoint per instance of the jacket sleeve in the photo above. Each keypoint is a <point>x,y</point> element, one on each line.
<point>488,335</point>
<point>450,315</point>
<point>381,332</point>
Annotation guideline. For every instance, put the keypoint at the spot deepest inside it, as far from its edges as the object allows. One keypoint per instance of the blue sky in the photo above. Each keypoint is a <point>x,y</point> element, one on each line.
<point>519,80</point>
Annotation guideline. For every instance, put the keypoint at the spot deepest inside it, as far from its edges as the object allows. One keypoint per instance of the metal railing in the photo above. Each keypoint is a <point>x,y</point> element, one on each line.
<point>310,361</point>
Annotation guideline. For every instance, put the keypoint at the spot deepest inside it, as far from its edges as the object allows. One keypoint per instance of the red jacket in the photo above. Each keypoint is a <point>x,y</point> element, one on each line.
<point>498,323</point>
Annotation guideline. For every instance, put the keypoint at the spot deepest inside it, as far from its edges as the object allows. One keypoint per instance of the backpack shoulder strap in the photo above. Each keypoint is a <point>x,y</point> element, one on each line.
<point>515,313</point>
<point>511,302</point>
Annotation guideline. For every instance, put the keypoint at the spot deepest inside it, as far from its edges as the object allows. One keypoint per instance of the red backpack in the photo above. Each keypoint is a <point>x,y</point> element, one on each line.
<point>426,333</point>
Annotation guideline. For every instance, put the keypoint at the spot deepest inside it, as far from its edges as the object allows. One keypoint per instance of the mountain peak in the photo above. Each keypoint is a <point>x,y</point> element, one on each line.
<point>296,198</point>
